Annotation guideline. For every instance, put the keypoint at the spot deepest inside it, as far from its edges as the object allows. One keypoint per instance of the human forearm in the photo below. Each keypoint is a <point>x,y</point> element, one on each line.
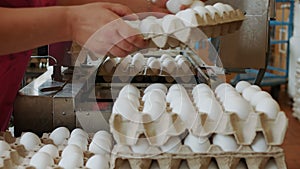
<point>26,28</point>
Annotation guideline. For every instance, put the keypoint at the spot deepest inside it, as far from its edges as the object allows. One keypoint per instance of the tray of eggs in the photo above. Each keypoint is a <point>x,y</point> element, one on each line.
<point>60,149</point>
<point>172,30</point>
<point>160,113</point>
<point>138,65</point>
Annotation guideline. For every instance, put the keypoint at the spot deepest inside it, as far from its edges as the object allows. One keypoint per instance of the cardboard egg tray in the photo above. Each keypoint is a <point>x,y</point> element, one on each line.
<point>147,72</point>
<point>123,156</point>
<point>212,27</point>
<point>169,124</point>
<point>19,157</point>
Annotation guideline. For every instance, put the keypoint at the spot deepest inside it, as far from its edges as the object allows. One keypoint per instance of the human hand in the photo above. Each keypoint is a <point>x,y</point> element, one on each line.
<point>98,27</point>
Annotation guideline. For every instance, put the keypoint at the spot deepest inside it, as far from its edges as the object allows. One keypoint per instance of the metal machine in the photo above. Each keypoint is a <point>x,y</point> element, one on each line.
<point>74,101</point>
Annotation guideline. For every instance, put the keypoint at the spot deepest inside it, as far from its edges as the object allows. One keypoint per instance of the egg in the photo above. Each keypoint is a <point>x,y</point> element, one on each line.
<point>124,64</point>
<point>130,89</point>
<point>149,27</point>
<point>258,96</point>
<point>71,149</point>
<point>186,2</point>
<point>213,11</point>
<point>80,141</point>
<point>271,164</point>
<point>155,66</point>
<point>71,161</point>
<point>125,108</point>
<point>197,144</point>
<point>178,57</point>
<point>226,142</point>
<point>132,98</point>
<point>228,7</point>
<point>154,108</point>
<point>158,86</point>
<point>211,107</point>
<point>202,12</point>
<point>103,134</point>
<point>189,17</point>
<point>138,61</point>
<point>30,140</point>
<point>184,66</point>
<point>164,57</point>
<point>103,140</point>
<point>176,95</point>
<point>173,6</point>
<point>259,144</point>
<point>169,65</point>
<point>50,149</point>
<point>4,146</point>
<point>172,145</point>
<point>80,132</point>
<point>150,59</point>
<point>186,112</point>
<point>141,146</point>
<point>221,8</point>
<point>176,87</point>
<point>230,94</point>
<point>197,3</point>
<point>41,160</point>
<point>59,135</point>
<point>239,106</point>
<point>241,85</point>
<point>201,87</point>
<point>250,91</point>
<point>172,23</point>
<point>269,107</point>
<point>97,161</point>
<point>99,146</point>
<point>223,87</point>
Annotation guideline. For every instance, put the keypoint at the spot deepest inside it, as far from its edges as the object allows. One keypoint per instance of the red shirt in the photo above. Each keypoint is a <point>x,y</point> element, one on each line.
<point>13,66</point>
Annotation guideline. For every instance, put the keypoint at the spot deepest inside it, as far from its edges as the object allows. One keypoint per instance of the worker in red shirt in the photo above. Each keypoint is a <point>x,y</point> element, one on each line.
<point>27,24</point>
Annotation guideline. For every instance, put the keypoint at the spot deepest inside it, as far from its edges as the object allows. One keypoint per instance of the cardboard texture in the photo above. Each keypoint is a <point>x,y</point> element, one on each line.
<point>169,124</point>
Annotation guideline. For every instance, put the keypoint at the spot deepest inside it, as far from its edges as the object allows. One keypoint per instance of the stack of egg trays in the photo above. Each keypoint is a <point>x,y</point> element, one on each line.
<point>296,99</point>
<point>219,26</point>
<point>244,132</point>
<point>123,156</point>
<point>19,157</point>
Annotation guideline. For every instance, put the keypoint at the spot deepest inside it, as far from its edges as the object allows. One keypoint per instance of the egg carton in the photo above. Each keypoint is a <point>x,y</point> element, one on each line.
<point>19,158</point>
<point>127,132</point>
<point>123,156</point>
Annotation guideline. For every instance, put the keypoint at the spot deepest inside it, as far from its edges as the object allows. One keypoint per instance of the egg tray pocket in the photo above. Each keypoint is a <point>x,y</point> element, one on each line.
<point>127,132</point>
<point>123,156</point>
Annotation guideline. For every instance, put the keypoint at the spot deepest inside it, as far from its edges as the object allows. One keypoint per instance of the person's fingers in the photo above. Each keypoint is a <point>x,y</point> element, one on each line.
<point>183,7</point>
<point>163,11</point>
<point>121,10</point>
<point>118,52</point>
<point>159,3</point>
<point>126,46</point>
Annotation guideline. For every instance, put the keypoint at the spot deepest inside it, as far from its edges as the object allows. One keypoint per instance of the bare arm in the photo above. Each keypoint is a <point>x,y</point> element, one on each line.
<point>26,28</point>
<point>135,5</point>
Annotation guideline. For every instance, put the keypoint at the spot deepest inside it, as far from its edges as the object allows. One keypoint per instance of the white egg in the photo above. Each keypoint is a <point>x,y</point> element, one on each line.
<point>71,161</point>
<point>258,96</point>
<point>130,89</point>
<point>241,85</point>
<point>124,107</point>
<point>178,57</point>
<point>176,87</point>
<point>138,61</point>
<point>211,107</point>
<point>239,106</point>
<point>59,135</point>
<point>164,57</point>
<point>186,112</point>
<point>250,91</point>
<point>184,66</point>
<point>50,149</point>
<point>149,27</point>
<point>141,146</point>
<point>150,59</point>
<point>109,64</point>
<point>4,146</point>
<point>169,65</point>
<point>172,145</point>
<point>202,12</point>
<point>199,97</point>
<point>103,140</point>
<point>221,8</point>
<point>176,95</point>
<point>71,149</point>
<point>155,65</point>
<point>259,144</point>
<point>30,140</point>
<point>271,164</point>
<point>226,142</point>
<point>41,160</point>
<point>213,11</point>
<point>132,98</point>
<point>99,146</point>
<point>80,141</point>
<point>97,161</point>
<point>172,23</point>
<point>186,2</point>
<point>197,144</point>
<point>159,86</point>
<point>154,108</point>
<point>197,3</point>
<point>189,17</point>
<point>103,134</point>
<point>228,7</point>
<point>223,87</point>
<point>80,132</point>
<point>229,94</point>
<point>173,6</point>
<point>154,94</point>
<point>201,87</point>
<point>269,107</point>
